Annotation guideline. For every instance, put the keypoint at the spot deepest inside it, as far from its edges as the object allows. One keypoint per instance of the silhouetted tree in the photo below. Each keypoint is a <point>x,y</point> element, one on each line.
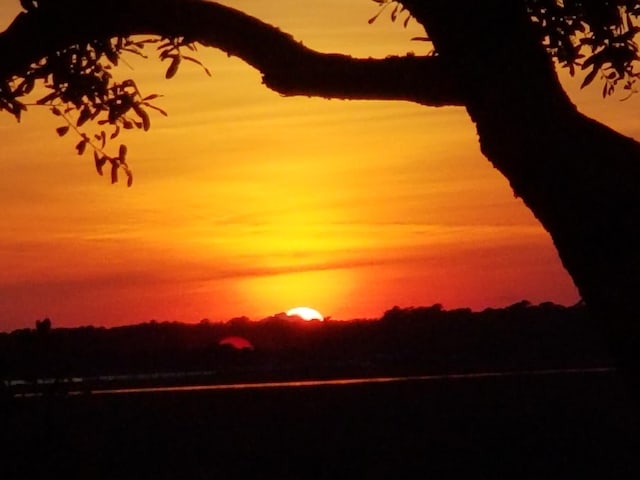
<point>43,326</point>
<point>493,57</point>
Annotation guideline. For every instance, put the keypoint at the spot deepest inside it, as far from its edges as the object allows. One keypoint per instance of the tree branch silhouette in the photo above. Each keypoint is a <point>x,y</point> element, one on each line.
<point>287,66</point>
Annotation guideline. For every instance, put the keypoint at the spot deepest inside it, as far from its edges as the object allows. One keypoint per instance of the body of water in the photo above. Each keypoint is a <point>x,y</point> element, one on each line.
<point>77,386</point>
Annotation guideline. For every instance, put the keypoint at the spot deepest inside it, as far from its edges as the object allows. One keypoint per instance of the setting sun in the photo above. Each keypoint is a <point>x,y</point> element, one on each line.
<point>305,313</point>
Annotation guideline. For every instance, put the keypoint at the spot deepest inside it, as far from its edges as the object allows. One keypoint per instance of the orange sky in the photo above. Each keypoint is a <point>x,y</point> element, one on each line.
<point>246,203</point>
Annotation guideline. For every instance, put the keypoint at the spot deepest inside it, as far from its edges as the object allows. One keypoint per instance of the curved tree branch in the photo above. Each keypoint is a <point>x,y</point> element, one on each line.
<point>287,66</point>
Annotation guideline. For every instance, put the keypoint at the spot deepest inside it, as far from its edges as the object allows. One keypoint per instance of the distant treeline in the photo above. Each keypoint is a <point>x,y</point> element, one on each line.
<point>404,341</point>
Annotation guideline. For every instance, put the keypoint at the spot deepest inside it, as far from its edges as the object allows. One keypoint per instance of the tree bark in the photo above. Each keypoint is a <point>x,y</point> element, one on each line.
<point>580,178</point>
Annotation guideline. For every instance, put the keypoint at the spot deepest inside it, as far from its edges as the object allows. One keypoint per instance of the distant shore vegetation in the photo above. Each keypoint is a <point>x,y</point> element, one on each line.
<point>404,341</point>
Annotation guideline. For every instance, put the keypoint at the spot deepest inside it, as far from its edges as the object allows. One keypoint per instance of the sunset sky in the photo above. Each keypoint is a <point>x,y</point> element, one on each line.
<point>246,203</point>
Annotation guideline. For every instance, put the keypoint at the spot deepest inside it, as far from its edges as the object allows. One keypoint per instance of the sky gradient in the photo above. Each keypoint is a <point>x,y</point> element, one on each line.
<point>246,203</point>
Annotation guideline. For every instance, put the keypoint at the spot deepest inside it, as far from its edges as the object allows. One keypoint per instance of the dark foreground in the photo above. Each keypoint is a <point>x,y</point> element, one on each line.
<point>556,426</point>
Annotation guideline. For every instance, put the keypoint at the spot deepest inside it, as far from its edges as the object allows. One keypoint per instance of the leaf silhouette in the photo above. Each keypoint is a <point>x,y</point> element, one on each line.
<point>81,146</point>
<point>173,68</point>
<point>85,114</point>
<point>99,161</point>
<point>589,78</point>
<point>114,172</point>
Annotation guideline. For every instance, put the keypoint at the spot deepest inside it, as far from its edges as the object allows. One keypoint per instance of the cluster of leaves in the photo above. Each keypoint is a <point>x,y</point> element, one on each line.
<point>80,87</point>
<point>171,49</point>
<point>396,11</point>
<point>594,35</point>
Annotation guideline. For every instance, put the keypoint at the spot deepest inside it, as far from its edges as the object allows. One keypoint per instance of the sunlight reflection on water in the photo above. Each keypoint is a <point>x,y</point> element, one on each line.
<point>334,382</point>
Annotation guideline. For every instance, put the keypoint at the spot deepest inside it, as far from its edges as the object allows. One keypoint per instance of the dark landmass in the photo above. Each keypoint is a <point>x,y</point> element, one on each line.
<point>411,341</point>
<point>568,424</point>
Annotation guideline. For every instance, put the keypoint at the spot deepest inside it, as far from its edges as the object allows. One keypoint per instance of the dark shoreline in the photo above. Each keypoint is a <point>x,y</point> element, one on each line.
<point>404,342</point>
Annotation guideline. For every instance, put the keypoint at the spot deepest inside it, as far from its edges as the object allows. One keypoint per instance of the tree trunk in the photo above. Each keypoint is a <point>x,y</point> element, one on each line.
<point>580,178</point>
